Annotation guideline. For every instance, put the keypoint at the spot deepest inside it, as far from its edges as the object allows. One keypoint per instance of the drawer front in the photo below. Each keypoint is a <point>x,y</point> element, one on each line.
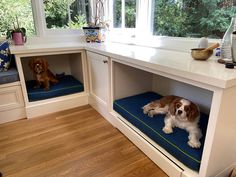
<point>11,98</point>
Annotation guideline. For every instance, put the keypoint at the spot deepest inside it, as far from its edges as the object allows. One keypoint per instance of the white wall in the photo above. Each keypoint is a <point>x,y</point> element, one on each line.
<point>200,96</point>
<point>70,64</point>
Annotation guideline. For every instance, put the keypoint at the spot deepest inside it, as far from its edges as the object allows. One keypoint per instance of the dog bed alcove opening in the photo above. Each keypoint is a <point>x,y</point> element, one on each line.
<point>70,82</point>
<point>130,108</point>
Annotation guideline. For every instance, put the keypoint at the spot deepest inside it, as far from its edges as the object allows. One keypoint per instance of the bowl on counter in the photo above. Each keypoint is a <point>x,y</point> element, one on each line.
<point>203,53</point>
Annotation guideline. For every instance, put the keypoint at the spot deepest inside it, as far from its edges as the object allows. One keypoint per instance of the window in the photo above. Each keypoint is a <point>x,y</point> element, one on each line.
<point>177,18</point>
<point>124,13</point>
<point>73,14</point>
<point>187,18</point>
<point>9,9</point>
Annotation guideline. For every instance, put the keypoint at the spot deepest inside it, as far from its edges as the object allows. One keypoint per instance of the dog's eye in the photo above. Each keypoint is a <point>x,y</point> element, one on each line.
<point>178,105</point>
<point>186,109</point>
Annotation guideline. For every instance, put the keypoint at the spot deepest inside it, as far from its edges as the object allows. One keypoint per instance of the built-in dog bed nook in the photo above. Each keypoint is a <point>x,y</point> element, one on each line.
<point>67,85</point>
<point>175,143</point>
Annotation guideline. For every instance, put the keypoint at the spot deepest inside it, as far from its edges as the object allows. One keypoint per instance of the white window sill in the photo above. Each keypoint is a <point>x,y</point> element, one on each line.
<point>164,42</point>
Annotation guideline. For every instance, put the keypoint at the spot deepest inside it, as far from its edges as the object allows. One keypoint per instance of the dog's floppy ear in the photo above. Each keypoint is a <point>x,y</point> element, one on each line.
<point>31,64</point>
<point>45,64</point>
<point>172,107</point>
<point>193,112</point>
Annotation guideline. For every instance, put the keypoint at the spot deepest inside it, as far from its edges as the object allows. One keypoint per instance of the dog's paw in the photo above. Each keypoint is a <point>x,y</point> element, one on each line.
<point>194,144</point>
<point>167,130</point>
<point>151,113</point>
<point>145,109</point>
<point>46,88</point>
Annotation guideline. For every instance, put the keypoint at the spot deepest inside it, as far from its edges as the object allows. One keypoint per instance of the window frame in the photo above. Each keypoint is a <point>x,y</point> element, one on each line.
<point>41,26</point>
<point>132,35</point>
<point>144,13</point>
<point>122,29</point>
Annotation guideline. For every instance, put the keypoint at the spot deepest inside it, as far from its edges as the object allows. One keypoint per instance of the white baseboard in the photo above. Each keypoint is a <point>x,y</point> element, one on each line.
<point>101,107</point>
<point>226,172</point>
<point>39,108</point>
<point>12,115</point>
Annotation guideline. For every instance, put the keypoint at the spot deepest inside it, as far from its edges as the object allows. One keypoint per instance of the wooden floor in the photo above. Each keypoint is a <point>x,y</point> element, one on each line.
<point>78,142</point>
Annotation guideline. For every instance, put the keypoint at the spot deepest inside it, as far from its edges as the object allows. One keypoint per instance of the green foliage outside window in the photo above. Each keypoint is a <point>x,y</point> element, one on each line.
<point>181,18</point>
<point>188,18</point>
<point>66,13</point>
<point>117,14</point>
<point>130,13</point>
<point>9,9</point>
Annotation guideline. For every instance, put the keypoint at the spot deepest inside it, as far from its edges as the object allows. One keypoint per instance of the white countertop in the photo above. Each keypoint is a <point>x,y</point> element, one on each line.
<point>177,63</point>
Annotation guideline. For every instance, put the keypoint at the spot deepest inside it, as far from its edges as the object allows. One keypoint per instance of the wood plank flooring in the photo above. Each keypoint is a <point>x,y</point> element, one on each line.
<point>72,143</point>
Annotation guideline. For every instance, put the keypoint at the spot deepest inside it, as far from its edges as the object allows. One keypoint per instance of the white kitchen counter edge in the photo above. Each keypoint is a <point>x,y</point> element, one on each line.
<point>176,63</point>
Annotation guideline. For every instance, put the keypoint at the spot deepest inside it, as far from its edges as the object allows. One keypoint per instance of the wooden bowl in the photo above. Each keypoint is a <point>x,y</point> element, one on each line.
<point>201,53</point>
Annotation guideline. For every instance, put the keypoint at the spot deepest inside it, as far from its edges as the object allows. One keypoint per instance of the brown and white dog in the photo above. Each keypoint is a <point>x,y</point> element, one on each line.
<point>180,113</point>
<point>42,74</point>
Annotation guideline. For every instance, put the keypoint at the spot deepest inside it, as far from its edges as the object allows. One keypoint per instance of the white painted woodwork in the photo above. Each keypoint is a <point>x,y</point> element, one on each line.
<point>175,64</point>
<point>39,108</point>
<point>126,77</point>
<point>99,79</point>
<point>70,62</point>
<point>135,69</point>
<point>227,172</point>
<point>209,100</point>
<point>12,102</point>
<point>98,74</point>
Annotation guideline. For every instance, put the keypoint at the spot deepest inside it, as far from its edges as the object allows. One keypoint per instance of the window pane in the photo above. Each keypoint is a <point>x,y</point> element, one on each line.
<point>130,13</point>
<point>187,18</point>
<point>8,11</point>
<point>117,14</point>
<point>67,13</point>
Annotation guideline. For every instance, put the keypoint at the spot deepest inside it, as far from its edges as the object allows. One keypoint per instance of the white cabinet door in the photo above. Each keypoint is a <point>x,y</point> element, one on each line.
<point>98,73</point>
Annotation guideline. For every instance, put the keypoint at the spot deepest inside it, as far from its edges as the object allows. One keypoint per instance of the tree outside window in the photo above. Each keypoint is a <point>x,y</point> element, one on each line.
<point>124,13</point>
<point>187,18</point>
<point>9,9</point>
<point>73,14</point>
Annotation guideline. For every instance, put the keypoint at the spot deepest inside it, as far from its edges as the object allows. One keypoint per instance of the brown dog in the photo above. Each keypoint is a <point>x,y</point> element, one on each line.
<point>42,74</point>
<point>181,113</point>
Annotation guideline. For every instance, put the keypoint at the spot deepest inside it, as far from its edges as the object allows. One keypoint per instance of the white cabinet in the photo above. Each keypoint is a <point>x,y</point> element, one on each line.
<point>12,102</point>
<point>99,84</point>
<point>98,73</point>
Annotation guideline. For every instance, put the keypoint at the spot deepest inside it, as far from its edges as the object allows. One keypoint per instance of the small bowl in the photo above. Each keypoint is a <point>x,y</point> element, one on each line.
<point>201,53</point>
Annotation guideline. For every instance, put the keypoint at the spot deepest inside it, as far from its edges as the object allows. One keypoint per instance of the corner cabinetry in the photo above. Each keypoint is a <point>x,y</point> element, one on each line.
<point>98,75</point>
<point>219,147</point>
<point>99,83</point>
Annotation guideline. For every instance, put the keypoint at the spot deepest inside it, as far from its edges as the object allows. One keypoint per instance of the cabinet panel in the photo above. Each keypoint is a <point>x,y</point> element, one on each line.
<point>98,72</point>
<point>11,98</point>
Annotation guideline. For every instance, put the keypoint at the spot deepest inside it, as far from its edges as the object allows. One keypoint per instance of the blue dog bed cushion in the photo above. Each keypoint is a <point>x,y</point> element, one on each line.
<point>67,85</point>
<point>175,143</point>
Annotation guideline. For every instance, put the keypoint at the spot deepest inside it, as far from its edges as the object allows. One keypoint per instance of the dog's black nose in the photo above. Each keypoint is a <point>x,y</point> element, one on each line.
<point>180,112</point>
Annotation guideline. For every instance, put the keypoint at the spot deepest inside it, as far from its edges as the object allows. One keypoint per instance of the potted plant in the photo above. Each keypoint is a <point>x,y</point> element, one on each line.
<point>95,32</point>
<point>17,34</point>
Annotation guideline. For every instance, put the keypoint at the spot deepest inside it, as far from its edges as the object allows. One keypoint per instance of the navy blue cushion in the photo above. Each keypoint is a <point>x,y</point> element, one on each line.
<point>176,143</point>
<point>5,58</point>
<point>9,76</point>
<point>67,85</point>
